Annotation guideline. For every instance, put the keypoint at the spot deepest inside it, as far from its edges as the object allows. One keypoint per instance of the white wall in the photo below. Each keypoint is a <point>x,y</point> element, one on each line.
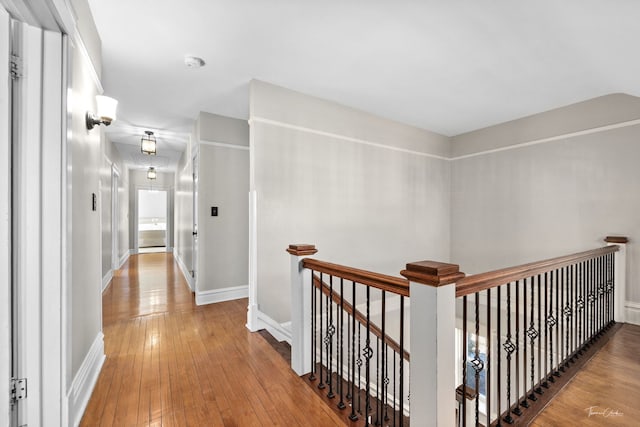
<point>559,196</point>
<point>369,192</point>
<point>224,183</point>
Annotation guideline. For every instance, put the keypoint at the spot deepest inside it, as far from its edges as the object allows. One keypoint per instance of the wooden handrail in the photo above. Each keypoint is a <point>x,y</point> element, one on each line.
<point>359,317</point>
<point>383,282</point>
<point>480,282</point>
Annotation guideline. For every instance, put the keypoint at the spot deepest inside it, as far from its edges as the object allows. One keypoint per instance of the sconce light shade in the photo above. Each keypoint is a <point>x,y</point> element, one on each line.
<point>151,173</point>
<point>148,143</point>
<point>106,112</point>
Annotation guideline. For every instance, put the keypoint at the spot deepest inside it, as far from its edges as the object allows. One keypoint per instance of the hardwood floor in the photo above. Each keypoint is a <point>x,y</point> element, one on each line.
<point>172,363</point>
<point>605,392</point>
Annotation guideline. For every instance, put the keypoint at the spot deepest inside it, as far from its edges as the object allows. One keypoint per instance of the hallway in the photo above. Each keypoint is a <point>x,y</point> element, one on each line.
<point>172,363</point>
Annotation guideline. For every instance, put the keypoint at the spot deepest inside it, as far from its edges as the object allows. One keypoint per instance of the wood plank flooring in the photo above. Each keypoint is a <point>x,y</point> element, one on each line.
<point>172,363</point>
<point>606,392</point>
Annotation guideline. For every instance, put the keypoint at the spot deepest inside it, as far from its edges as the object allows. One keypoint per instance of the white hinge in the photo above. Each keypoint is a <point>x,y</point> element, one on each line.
<point>18,389</point>
<point>15,67</point>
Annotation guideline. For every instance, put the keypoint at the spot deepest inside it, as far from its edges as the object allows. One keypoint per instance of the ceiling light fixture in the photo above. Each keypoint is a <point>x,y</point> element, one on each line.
<point>106,112</point>
<point>151,173</point>
<point>193,62</point>
<point>148,143</point>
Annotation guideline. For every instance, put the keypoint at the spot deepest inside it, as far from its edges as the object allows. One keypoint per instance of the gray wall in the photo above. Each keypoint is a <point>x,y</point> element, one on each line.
<point>110,157</point>
<point>369,192</point>
<point>559,196</point>
<point>85,157</point>
<point>183,245</point>
<point>223,241</point>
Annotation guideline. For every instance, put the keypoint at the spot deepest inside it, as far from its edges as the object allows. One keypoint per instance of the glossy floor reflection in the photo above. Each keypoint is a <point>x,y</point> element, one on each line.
<point>172,363</point>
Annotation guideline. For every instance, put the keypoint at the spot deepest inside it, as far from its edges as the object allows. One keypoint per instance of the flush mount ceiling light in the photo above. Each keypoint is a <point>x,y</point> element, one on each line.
<point>106,112</point>
<point>148,143</point>
<point>151,173</point>
<point>193,62</point>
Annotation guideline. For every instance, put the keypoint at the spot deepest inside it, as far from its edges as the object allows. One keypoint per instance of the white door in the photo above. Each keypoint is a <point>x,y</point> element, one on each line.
<point>6,344</point>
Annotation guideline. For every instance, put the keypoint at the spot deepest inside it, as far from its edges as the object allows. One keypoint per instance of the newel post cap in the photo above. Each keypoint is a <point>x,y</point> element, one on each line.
<point>616,239</point>
<point>302,249</point>
<point>432,273</point>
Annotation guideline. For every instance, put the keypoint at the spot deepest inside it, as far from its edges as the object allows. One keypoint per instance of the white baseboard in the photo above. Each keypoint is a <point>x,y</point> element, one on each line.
<point>185,271</point>
<point>106,280</point>
<point>124,259</point>
<point>220,295</point>
<point>85,380</point>
<point>632,312</point>
<point>280,331</point>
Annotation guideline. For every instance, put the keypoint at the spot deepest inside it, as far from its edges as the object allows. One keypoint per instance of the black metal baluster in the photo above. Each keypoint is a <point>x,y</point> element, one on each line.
<point>552,322</point>
<point>312,375</point>
<point>576,337</point>
<point>340,377</point>
<point>401,358</point>
<point>517,410</point>
<point>387,380</point>
<point>499,356</point>
<point>610,289</point>
<point>488,360</point>
<point>329,339</point>
<point>378,365</point>
<point>321,385</point>
<point>540,377</point>
<point>594,297</point>
<point>394,389</point>
<point>477,363</point>
<point>382,356</point>
<point>368,354</point>
<point>359,362</point>
<point>353,416</point>
<point>464,360</point>
<point>532,333</point>
<point>509,348</point>
<point>524,403</point>
<point>579,306</point>
<point>567,314</point>
<point>545,376</point>
<point>601,293</point>
<point>561,316</point>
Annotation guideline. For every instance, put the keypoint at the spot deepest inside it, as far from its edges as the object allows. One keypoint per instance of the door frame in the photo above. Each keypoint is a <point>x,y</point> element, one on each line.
<point>5,220</point>
<point>115,219</point>
<point>195,165</point>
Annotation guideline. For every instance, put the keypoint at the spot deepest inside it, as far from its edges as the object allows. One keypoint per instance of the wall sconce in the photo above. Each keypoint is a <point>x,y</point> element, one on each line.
<point>148,143</point>
<point>106,112</point>
<point>151,173</point>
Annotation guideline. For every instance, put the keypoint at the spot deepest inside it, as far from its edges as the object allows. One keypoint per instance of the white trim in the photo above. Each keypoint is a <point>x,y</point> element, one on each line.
<point>281,332</point>
<point>106,280</point>
<point>124,259</point>
<point>552,138</point>
<point>85,380</point>
<point>224,145</point>
<point>632,314</point>
<point>185,271</point>
<point>220,295</point>
<point>82,48</point>
<point>252,309</point>
<point>343,137</point>
<point>5,219</point>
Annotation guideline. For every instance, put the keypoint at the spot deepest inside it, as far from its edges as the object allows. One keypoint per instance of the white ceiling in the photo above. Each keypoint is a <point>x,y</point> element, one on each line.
<point>447,66</point>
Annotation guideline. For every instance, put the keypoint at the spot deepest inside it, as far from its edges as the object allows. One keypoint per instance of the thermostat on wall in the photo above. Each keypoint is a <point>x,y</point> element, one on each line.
<point>214,211</point>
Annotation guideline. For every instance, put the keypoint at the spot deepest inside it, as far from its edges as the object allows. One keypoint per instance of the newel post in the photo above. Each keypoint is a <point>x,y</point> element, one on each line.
<point>301,288</point>
<point>432,341</point>
<point>620,277</point>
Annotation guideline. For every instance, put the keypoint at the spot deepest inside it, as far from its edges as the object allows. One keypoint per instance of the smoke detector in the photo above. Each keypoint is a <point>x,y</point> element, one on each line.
<point>193,62</point>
